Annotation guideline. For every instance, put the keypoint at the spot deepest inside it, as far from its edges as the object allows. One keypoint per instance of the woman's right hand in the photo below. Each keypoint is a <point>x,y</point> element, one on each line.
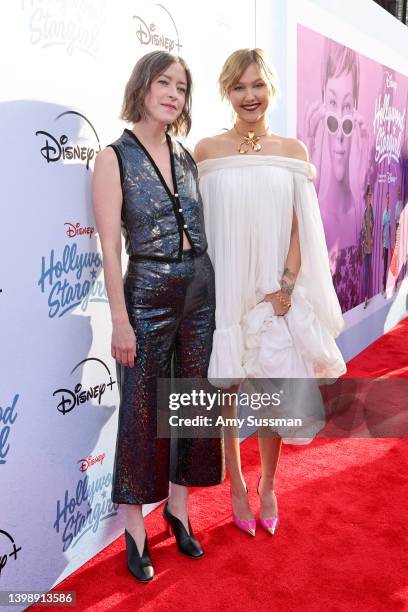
<point>124,343</point>
<point>279,308</point>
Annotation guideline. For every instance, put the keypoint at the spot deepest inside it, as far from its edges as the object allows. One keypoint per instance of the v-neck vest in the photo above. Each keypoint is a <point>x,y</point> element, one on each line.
<point>154,218</point>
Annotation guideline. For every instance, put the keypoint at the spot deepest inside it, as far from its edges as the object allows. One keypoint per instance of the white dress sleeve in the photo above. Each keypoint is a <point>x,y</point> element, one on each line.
<point>315,274</point>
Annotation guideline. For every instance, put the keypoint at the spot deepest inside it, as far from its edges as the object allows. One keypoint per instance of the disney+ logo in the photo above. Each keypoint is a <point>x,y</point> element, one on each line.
<point>8,549</point>
<point>70,398</point>
<point>154,35</point>
<point>56,148</point>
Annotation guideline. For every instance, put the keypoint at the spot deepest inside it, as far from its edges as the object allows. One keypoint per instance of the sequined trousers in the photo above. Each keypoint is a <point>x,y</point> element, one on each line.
<point>171,307</point>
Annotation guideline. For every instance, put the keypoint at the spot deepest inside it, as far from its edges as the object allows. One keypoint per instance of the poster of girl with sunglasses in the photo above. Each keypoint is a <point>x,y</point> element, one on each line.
<point>354,141</point>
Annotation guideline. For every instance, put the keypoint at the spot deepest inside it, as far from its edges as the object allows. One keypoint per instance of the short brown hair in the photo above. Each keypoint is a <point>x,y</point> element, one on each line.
<point>236,64</point>
<point>143,74</point>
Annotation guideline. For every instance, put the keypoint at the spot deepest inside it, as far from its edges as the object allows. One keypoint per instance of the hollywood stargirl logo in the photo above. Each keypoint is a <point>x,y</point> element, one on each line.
<point>8,415</point>
<point>68,24</point>
<point>84,510</point>
<point>70,280</point>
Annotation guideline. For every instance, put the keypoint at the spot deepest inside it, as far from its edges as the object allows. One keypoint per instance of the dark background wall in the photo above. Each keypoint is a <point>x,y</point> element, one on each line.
<point>398,8</point>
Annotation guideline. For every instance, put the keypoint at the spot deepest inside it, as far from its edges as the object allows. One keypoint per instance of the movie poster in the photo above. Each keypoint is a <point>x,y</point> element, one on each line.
<point>351,114</point>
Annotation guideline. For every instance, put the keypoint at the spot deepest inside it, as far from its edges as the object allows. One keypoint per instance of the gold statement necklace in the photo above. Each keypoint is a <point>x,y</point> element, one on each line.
<point>249,142</point>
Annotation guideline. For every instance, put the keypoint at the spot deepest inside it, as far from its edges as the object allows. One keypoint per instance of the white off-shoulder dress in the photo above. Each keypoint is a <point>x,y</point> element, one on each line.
<point>248,207</point>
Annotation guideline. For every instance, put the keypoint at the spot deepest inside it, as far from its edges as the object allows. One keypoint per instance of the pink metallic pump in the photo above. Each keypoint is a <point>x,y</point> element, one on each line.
<point>269,524</point>
<point>246,525</point>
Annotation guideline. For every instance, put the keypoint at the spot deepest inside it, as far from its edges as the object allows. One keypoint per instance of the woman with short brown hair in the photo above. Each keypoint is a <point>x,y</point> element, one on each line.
<point>146,182</point>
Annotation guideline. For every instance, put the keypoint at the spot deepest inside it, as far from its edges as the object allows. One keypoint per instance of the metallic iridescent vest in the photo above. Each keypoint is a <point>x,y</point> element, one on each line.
<point>153,219</point>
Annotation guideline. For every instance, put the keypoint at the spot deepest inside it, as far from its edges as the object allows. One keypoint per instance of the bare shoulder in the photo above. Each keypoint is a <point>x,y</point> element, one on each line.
<point>106,162</point>
<point>208,147</point>
<point>106,158</point>
<point>297,149</point>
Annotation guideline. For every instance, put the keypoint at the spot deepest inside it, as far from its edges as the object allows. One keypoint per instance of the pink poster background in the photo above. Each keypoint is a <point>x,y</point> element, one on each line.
<point>351,114</point>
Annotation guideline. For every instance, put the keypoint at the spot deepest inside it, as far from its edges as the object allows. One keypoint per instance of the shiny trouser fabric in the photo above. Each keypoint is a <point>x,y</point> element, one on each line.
<point>171,307</point>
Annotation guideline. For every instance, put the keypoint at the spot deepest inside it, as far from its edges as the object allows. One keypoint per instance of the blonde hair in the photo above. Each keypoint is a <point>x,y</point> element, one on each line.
<point>143,74</point>
<point>236,64</point>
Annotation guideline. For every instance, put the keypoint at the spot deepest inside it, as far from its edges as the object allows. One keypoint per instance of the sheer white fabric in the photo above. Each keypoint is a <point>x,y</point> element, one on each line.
<point>248,208</point>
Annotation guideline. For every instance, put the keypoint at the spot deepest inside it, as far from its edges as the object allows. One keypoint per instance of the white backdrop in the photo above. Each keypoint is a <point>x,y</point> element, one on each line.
<point>64,67</point>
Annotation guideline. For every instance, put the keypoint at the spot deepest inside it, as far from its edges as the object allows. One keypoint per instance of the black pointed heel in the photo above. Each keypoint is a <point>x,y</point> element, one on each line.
<point>139,566</point>
<point>187,544</point>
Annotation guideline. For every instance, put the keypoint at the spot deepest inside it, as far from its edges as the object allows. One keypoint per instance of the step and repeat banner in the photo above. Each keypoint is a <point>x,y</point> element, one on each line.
<point>65,64</point>
<point>64,68</point>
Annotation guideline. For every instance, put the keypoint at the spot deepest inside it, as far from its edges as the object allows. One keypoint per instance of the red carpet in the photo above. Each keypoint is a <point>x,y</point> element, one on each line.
<point>341,545</point>
<point>388,356</point>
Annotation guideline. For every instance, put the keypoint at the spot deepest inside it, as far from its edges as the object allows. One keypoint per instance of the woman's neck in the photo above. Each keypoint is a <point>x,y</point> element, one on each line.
<point>150,132</point>
<point>258,127</point>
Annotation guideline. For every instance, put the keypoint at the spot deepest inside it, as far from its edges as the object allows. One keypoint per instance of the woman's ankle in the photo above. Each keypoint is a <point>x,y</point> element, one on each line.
<point>178,498</point>
<point>238,486</point>
<point>266,484</point>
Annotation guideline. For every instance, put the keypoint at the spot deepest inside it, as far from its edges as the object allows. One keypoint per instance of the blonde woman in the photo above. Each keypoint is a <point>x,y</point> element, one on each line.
<point>277,313</point>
